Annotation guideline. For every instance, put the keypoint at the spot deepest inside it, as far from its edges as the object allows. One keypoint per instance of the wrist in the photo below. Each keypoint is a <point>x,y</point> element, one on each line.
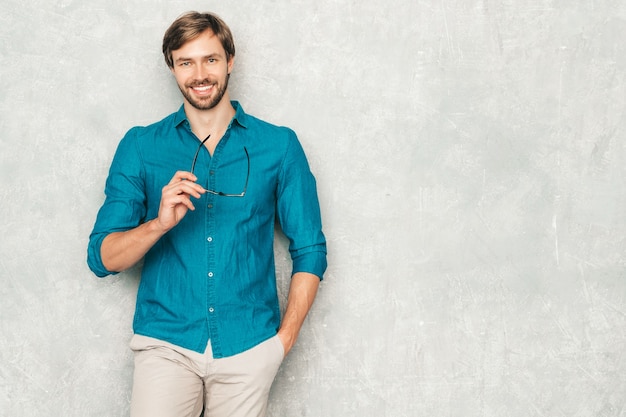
<point>156,227</point>
<point>288,338</point>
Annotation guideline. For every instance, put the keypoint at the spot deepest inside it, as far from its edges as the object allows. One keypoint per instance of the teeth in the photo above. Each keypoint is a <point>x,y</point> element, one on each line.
<point>205,88</point>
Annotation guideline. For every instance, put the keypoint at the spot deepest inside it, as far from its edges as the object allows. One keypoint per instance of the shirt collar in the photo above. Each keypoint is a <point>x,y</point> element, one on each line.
<point>240,115</point>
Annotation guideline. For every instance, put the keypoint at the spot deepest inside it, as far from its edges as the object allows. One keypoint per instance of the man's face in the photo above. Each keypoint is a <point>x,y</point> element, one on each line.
<point>201,71</point>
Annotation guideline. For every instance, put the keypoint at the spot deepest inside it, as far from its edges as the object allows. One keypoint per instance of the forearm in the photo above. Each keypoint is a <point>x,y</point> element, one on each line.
<point>302,293</point>
<point>122,250</point>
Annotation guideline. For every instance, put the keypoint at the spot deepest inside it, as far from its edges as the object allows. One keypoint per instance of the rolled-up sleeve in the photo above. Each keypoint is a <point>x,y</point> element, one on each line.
<point>299,212</point>
<point>125,202</point>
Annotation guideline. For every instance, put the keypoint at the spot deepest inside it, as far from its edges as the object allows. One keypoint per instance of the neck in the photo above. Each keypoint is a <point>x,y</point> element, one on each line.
<point>212,122</point>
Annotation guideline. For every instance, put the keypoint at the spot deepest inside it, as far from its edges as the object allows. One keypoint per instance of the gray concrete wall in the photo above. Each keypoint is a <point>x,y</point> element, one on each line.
<point>470,157</point>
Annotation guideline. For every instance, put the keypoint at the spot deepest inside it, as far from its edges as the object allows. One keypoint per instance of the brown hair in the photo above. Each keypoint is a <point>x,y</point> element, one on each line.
<point>189,26</point>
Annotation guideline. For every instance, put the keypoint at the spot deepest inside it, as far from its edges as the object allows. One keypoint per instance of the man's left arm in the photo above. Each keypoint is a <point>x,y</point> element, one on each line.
<point>299,216</point>
<point>301,296</point>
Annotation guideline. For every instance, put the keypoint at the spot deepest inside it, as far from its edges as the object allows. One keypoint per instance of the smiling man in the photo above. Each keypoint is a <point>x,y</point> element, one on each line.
<point>196,196</point>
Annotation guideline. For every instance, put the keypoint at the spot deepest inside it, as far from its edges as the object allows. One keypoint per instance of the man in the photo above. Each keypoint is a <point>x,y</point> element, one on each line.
<point>196,196</point>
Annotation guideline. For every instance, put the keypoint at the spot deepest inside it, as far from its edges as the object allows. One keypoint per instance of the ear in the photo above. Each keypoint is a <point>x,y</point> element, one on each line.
<point>231,63</point>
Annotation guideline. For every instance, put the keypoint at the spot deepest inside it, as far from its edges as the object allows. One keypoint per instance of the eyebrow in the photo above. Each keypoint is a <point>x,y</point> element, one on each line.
<point>183,58</point>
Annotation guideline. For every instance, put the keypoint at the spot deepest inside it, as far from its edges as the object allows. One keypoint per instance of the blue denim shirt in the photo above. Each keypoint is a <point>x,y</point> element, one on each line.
<point>213,275</point>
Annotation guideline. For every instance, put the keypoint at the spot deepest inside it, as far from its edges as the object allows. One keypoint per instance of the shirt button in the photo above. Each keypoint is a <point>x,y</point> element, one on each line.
<point>210,239</point>
<point>210,274</point>
<point>210,206</point>
<point>211,309</point>
<point>211,172</point>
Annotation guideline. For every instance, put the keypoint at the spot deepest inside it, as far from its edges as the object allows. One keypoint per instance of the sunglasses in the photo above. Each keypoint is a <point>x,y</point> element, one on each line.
<point>220,193</point>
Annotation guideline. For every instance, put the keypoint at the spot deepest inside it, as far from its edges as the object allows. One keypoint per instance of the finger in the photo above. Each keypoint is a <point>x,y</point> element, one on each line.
<point>177,200</point>
<point>191,188</point>
<point>187,203</point>
<point>183,175</point>
<point>184,187</point>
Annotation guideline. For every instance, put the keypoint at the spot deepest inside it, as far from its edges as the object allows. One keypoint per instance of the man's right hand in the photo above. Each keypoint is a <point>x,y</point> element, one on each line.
<point>175,199</point>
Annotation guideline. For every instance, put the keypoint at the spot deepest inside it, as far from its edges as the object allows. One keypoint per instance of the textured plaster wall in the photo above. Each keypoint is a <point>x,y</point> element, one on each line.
<point>471,161</point>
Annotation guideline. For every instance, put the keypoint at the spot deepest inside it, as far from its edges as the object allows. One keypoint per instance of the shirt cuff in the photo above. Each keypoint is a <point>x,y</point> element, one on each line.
<point>313,262</point>
<point>94,257</point>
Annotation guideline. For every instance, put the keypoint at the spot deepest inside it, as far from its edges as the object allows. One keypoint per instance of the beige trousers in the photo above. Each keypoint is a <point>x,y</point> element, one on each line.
<point>170,381</point>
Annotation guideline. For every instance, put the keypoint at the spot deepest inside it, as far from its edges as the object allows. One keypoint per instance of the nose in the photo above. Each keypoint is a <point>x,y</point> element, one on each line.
<point>200,72</point>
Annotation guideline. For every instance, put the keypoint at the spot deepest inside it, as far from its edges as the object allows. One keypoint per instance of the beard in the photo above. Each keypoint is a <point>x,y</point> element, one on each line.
<point>206,103</point>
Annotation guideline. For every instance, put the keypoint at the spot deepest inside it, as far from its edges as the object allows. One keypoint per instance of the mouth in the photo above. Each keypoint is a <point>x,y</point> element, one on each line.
<point>203,89</point>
